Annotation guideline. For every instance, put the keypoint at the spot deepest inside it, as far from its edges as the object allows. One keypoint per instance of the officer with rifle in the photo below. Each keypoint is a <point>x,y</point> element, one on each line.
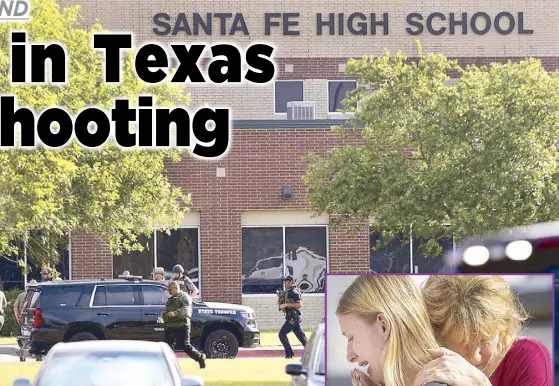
<point>184,281</point>
<point>177,316</point>
<point>290,302</point>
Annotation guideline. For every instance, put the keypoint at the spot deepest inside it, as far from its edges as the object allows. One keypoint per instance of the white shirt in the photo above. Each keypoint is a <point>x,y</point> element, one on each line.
<point>3,301</point>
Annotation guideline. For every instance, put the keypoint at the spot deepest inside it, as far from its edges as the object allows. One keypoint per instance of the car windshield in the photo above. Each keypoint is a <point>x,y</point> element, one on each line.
<point>106,369</point>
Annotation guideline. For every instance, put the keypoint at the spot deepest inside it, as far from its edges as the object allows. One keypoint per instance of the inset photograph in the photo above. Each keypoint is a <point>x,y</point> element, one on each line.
<point>450,330</point>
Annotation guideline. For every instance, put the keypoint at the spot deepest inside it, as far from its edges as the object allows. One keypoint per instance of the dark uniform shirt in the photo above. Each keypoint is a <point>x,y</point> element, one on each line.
<point>181,304</point>
<point>292,295</point>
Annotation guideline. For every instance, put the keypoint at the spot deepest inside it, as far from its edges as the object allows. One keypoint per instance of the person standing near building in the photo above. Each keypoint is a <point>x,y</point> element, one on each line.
<point>159,274</point>
<point>18,304</point>
<point>47,274</point>
<point>292,308</point>
<point>3,305</point>
<point>176,316</point>
<point>184,281</point>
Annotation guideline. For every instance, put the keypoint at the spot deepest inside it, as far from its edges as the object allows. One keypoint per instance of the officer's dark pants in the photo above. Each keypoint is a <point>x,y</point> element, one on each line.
<point>182,334</point>
<point>295,326</point>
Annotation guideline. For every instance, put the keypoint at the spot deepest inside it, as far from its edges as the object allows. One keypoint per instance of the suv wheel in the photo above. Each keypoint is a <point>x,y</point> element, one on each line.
<point>221,344</point>
<point>80,336</point>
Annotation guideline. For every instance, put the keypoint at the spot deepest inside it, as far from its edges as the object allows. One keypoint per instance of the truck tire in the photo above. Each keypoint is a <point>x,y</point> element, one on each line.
<point>81,336</point>
<point>221,344</point>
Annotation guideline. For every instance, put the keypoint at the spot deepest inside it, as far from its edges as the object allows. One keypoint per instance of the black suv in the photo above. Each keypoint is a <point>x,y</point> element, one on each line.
<point>69,311</point>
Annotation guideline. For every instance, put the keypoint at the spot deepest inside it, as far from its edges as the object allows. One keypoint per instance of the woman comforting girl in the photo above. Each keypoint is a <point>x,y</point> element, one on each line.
<point>397,332</point>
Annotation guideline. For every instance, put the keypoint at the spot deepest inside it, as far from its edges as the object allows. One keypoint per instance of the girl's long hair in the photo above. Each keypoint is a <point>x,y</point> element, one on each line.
<point>400,300</point>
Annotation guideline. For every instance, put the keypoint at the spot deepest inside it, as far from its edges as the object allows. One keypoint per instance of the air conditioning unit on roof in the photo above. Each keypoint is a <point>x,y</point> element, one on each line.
<point>300,110</point>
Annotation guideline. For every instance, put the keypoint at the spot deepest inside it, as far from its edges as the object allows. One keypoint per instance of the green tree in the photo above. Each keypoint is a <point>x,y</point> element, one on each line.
<point>112,193</point>
<point>480,153</point>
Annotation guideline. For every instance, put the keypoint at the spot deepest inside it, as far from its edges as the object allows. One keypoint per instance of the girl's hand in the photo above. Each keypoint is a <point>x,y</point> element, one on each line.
<point>359,378</point>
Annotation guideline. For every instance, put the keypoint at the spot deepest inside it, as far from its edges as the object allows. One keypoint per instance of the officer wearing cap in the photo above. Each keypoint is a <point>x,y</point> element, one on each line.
<point>292,308</point>
<point>184,281</point>
<point>159,274</point>
<point>18,304</point>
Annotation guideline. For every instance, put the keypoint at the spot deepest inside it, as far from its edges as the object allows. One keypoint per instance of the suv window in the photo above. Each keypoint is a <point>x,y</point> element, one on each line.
<point>155,295</point>
<point>115,295</point>
<point>56,296</point>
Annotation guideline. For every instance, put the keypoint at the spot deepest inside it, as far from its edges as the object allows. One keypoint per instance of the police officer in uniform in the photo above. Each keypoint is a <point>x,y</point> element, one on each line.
<point>291,306</point>
<point>184,281</point>
<point>177,315</point>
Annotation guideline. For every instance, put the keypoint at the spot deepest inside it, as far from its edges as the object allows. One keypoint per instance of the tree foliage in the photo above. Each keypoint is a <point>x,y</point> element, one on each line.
<point>480,153</point>
<point>113,193</point>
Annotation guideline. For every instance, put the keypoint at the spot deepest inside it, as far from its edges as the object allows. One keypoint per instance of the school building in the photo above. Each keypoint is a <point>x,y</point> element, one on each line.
<point>249,220</point>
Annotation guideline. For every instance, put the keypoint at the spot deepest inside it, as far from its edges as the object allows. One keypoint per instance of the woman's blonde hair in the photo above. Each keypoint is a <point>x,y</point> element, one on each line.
<point>473,309</point>
<point>400,300</point>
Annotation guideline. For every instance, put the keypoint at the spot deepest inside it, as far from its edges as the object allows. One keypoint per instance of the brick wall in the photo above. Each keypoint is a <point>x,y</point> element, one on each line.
<point>91,257</point>
<point>259,164</point>
<point>317,58</point>
<point>269,318</point>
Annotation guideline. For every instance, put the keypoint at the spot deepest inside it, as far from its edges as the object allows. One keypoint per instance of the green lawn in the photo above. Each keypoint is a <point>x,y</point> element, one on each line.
<point>270,338</point>
<point>267,338</point>
<point>238,372</point>
<point>7,340</point>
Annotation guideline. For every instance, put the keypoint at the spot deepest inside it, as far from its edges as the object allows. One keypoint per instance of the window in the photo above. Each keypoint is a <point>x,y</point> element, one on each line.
<point>287,91</point>
<point>180,247</point>
<point>155,295</point>
<point>135,262</point>
<point>270,253</point>
<point>337,91</point>
<point>60,296</point>
<point>115,295</point>
<point>395,256</point>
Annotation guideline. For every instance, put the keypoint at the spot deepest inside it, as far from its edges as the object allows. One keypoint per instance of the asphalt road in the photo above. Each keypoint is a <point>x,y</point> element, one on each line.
<point>541,330</point>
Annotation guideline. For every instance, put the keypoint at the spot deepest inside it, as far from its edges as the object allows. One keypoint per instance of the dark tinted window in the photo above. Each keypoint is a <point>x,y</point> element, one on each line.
<point>138,263</point>
<point>337,92</point>
<point>85,298</point>
<point>306,254</point>
<point>262,256</point>
<point>121,295</point>
<point>155,295</point>
<point>285,91</point>
<point>116,295</point>
<point>179,247</point>
<point>54,296</point>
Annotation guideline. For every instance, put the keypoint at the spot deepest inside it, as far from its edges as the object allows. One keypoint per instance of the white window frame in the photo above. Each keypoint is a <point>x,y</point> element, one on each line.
<point>285,81</point>
<point>328,97</point>
<point>199,253</point>
<point>283,252</point>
